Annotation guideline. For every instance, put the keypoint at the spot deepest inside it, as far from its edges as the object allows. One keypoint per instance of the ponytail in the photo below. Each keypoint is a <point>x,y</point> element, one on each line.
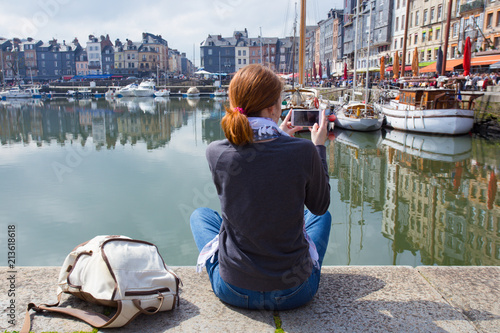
<point>236,127</point>
<point>252,89</point>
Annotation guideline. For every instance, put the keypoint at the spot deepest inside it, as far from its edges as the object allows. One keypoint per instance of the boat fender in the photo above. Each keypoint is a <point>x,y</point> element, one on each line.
<point>332,118</point>
<point>316,102</point>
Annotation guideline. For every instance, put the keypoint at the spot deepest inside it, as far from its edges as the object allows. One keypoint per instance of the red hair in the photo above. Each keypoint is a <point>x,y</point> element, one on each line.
<point>253,89</point>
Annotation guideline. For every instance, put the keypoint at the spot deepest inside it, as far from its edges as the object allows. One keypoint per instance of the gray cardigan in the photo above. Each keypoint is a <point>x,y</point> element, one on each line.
<point>263,188</point>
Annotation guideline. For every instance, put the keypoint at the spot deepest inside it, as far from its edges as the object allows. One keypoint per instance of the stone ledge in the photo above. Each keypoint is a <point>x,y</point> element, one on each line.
<point>350,299</point>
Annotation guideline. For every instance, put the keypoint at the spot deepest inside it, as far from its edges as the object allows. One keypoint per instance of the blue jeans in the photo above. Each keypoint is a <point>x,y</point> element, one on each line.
<point>205,225</point>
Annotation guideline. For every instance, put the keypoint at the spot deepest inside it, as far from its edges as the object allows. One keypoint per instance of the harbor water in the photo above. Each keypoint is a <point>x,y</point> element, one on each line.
<point>74,169</point>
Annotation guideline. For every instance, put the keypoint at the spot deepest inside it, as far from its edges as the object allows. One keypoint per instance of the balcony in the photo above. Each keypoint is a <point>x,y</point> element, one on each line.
<point>474,7</point>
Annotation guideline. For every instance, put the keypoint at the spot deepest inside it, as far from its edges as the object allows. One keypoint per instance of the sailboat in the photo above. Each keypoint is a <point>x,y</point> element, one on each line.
<point>429,110</point>
<point>300,97</point>
<point>359,116</point>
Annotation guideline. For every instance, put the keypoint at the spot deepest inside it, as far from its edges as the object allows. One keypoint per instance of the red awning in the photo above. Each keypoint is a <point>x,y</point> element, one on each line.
<point>67,77</point>
<point>452,63</point>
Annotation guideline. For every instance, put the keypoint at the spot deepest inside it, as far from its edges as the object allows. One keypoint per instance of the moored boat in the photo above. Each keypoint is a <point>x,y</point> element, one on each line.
<point>220,92</point>
<point>192,92</point>
<point>162,93</point>
<point>358,116</point>
<point>17,92</point>
<point>145,89</point>
<point>438,111</point>
<point>127,91</point>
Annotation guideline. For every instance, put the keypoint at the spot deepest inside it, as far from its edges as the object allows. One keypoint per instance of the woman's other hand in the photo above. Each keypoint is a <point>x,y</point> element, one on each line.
<point>319,132</point>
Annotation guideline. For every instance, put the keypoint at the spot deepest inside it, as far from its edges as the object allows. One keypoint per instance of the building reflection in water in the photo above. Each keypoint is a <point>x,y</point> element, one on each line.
<point>438,195</point>
<point>107,122</point>
<point>435,196</point>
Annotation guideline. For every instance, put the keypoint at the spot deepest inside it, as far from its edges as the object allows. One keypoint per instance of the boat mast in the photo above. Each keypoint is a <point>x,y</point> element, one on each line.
<point>405,38</point>
<point>302,41</point>
<point>294,50</point>
<point>447,35</point>
<point>355,51</point>
<point>368,55</point>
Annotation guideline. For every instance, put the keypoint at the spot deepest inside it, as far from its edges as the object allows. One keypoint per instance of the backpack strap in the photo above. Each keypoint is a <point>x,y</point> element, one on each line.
<point>125,312</point>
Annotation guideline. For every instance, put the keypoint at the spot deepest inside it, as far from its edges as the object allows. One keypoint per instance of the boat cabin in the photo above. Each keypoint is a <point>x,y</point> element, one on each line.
<point>429,98</point>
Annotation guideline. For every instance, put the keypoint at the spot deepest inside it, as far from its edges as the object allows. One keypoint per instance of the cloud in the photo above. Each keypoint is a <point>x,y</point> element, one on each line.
<point>182,23</point>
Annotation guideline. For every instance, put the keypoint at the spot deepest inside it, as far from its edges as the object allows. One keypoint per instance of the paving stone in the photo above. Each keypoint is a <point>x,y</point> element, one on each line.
<point>375,299</point>
<point>475,291</point>
<point>350,299</point>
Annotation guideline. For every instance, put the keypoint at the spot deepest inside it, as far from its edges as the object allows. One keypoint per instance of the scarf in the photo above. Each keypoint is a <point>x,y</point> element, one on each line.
<point>265,129</point>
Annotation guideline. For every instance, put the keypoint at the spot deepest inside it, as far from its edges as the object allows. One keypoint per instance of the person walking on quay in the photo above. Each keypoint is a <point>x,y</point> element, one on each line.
<point>264,251</point>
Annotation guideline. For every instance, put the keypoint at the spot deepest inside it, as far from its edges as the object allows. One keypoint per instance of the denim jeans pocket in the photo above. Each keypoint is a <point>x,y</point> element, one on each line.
<point>229,295</point>
<point>294,298</point>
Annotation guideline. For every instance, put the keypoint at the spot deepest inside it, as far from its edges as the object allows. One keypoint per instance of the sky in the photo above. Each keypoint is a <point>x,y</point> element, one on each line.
<point>183,23</point>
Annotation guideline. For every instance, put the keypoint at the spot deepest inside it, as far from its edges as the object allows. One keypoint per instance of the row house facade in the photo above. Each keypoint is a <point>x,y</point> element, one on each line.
<point>228,54</point>
<point>22,60</point>
<point>492,25</point>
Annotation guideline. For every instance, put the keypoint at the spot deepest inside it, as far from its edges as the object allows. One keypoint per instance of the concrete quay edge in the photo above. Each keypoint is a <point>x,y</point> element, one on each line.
<point>349,299</point>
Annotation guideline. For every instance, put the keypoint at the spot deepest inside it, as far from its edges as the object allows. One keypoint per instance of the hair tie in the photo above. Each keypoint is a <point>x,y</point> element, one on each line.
<point>240,110</point>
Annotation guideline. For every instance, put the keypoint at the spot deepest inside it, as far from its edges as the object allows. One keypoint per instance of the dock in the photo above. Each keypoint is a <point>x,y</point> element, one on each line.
<point>349,299</point>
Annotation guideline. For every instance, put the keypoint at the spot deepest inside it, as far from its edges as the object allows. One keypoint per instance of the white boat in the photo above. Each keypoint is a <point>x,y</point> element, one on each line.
<point>145,89</point>
<point>428,111</point>
<point>127,91</point>
<point>192,92</point>
<point>112,92</point>
<point>220,92</point>
<point>82,92</point>
<point>162,93</point>
<point>17,92</point>
<point>431,147</point>
<point>358,116</point>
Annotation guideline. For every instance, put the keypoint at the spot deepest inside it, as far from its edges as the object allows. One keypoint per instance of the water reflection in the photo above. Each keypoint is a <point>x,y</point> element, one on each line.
<point>436,198</point>
<point>108,122</point>
<point>397,198</point>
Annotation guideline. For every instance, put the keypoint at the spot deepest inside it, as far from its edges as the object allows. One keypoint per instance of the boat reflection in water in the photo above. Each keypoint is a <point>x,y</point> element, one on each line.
<point>432,147</point>
<point>433,198</point>
<point>437,201</point>
<point>396,198</point>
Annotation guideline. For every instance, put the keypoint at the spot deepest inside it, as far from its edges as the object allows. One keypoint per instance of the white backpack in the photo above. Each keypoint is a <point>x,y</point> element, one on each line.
<point>114,271</point>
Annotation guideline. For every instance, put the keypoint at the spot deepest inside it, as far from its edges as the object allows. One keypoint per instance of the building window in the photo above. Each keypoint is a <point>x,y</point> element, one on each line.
<point>403,22</point>
<point>440,12</point>
<point>432,14</point>
<point>416,18</point>
<point>455,29</point>
<point>239,53</point>
<point>209,51</point>
<point>244,61</point>
<point>244,53</point>
<point>416,38</point>
<point>239,61</point>
<point>430,35</point>
<point>423,37</point>
<point>498,18</point>
<point>429,55</point>
<point>438,34</point>
<point>395,44</point>
<point>425,17</point>
<point>489,20</point>
<point>397,24</point>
